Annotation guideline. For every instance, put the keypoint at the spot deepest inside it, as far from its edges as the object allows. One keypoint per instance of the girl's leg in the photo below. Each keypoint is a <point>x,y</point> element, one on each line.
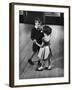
<point>46,64</point>
<point>49,59</point>
<point>40,56</point>
<point>42,65</point>
<point>49,63</point>
<point>49,66</point>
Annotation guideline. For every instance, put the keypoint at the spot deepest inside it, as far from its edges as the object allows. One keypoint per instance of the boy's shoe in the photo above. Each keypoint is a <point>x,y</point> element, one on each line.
<point>30,62</point>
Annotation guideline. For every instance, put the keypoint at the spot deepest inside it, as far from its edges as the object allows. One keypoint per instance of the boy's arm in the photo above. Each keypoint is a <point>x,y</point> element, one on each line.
<point>32,34</point>
<point>40,45</point>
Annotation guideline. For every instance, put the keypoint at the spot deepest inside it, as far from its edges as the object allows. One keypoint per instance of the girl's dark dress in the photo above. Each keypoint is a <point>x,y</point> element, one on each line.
<point>37,35</point>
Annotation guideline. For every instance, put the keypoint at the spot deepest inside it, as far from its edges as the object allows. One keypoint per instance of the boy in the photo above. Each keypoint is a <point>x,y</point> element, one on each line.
<point>45,50</point>
<point>36,36</point>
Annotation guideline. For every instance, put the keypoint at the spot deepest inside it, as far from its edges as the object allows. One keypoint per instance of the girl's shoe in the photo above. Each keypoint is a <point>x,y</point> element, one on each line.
<point>40,68</point>
<point>49,67</point>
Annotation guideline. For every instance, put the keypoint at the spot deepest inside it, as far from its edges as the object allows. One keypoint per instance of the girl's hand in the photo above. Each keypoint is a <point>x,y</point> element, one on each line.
<point>42,45</point>
<point>34,41</point>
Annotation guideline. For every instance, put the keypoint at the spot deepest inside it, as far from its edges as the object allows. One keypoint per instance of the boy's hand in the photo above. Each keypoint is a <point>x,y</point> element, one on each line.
<point>42,46</point>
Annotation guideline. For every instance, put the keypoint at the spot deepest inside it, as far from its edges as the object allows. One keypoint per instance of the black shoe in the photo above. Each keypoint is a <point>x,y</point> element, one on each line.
<point>30,62</point>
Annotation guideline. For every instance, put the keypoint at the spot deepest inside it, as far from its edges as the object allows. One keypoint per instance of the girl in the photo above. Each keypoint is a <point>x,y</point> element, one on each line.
<point>45,51</point>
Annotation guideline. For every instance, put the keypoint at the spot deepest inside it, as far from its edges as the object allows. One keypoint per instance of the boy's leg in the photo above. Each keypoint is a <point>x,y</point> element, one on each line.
<point>30,60</point>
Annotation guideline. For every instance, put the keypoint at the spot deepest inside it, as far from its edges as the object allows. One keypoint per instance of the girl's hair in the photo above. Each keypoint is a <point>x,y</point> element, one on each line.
<point>38,19</point>
<point>47,30</point>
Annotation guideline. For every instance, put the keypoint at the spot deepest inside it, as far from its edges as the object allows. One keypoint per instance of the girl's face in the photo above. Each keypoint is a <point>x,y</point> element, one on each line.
<point>37,24</point>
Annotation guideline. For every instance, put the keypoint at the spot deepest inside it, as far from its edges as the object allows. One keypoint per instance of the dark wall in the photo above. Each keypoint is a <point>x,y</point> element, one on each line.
<point>54,20</point>
<point>29,17</point>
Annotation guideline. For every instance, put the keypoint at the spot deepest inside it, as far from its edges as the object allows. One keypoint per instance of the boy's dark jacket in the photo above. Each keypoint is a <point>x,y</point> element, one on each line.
<point>37,35</point>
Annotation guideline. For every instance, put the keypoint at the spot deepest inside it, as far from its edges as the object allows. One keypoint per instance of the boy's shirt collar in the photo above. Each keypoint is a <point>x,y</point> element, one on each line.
<point>36,27</point>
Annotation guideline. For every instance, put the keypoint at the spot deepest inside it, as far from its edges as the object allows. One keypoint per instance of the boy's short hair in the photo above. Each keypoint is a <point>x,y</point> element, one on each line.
<point>38,19</point>
<point>47,30</point>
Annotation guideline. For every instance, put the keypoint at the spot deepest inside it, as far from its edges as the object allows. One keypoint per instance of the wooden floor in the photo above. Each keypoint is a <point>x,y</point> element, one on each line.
<point>30,72</point>
<point>27,71</point>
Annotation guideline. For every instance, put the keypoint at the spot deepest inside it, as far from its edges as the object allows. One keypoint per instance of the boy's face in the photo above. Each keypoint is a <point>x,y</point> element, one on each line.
<point>37,24</point>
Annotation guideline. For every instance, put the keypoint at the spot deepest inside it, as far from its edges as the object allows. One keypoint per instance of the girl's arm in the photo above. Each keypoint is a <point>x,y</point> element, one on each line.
<point>47,38</point>
<point>40,45</point>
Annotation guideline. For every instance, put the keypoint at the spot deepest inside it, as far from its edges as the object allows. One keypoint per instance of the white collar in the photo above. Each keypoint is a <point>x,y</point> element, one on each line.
<point>36,27</point>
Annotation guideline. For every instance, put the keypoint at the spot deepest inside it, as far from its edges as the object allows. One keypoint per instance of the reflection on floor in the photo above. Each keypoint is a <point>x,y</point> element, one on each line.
<point>30,71</point>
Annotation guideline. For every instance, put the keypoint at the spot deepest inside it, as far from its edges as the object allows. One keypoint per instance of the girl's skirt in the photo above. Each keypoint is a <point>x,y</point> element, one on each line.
<point>44,52</point>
